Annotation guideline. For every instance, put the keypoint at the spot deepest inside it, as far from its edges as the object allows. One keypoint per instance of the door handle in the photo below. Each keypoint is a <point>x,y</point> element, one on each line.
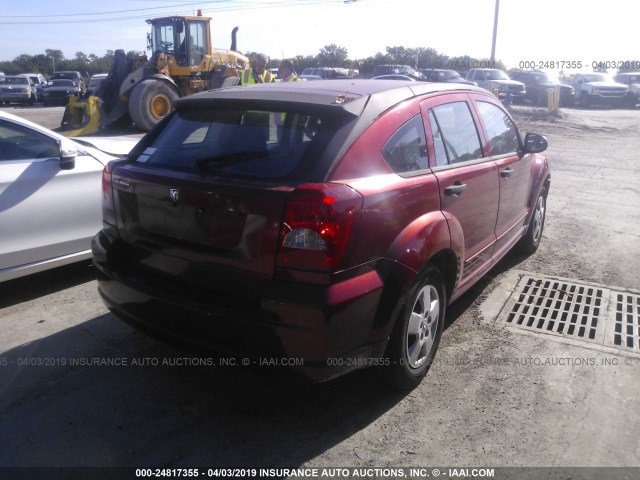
<point>506,173</point>
<point>455,189</point>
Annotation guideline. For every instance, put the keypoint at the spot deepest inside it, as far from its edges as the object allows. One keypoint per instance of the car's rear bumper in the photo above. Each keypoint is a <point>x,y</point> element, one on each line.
<point>321,331</point>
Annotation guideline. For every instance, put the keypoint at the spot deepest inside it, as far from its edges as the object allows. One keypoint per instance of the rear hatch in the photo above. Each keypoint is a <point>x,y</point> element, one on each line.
<point>200,203</point>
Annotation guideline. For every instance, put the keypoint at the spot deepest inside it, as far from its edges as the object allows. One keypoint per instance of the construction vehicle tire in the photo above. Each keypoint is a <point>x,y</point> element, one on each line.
<point>151,101</point>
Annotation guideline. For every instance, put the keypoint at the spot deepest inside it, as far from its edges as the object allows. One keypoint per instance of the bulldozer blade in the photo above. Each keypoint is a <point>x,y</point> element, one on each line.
<point>82,117</point>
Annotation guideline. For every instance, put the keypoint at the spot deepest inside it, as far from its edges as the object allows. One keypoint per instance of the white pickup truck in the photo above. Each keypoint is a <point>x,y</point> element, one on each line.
<point>592,88</point>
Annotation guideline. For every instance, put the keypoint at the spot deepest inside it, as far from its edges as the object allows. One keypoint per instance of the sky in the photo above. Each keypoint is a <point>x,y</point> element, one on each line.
<point>529,31</point>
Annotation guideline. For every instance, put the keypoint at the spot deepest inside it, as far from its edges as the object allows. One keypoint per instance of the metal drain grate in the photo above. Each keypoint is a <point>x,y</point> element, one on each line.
<point>570,310</point>
<point>626,328</point>
<point>559,307</point>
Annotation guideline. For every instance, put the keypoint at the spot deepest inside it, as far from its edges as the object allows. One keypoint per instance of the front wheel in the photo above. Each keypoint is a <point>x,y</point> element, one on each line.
<point>531,240</point>
<point>417,332</point>
<point>151,101</point>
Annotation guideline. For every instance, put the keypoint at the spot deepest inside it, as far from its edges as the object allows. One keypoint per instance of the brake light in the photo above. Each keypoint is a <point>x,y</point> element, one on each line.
<point>108,207</point>
<point>316,226</point>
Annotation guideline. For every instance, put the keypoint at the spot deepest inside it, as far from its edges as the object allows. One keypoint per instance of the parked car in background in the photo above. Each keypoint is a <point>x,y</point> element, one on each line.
<point>59,90</point>
<point>95,82</point>
<point>328,73</point>
<point>538,84</point>
<point>446,76</point>
<point>39,81</point>
<point>17,89</point>
<point>395,77</point>
<point>396,70</point>
<point>308,78</point>
<point>632,81</point>
<point>49,196</point>
<point>599,88</point>
<point>74,76</point>
<point>498,82</point>
<point>344,237</point>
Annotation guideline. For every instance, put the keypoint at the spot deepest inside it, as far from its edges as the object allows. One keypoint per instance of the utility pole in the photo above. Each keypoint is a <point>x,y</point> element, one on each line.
<point>495,32</point>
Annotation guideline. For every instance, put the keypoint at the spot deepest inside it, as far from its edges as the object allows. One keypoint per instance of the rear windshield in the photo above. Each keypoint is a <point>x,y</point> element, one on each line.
<point>232,142</point>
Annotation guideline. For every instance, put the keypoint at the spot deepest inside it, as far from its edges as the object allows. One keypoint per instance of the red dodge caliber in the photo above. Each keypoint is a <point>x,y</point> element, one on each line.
<point>329,223</point>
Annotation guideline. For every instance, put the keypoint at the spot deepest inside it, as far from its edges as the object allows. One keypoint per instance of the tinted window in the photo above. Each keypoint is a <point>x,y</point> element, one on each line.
<point>501,131</point>
<point>242,143</point>
<point>457,130</point>
<point>406,150</point>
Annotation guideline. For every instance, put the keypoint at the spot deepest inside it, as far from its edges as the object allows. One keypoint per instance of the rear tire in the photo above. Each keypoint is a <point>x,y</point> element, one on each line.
<point>416,335</point>
<point>151,101</point>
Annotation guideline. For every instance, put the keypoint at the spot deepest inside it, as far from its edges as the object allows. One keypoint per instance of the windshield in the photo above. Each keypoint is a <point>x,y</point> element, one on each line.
<point>96,81</point>
<point>497,75</point>
<point>69,75</point>
<point>16,81</point>
<point>449,74</point>
<point>597,77</point>
<point>265,144</point>
<point>541,78</point>
<point>61,83</point>
<point>163,37</point>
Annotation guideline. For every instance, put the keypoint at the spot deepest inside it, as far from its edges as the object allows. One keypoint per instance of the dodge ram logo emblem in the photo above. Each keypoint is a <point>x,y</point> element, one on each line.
<point>174,194</point>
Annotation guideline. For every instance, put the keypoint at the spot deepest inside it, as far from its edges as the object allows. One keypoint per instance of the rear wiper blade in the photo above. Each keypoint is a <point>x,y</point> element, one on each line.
<point>205,164</point>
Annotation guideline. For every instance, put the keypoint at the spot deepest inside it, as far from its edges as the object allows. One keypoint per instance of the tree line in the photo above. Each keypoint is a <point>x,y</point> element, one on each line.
<point>328,56</point>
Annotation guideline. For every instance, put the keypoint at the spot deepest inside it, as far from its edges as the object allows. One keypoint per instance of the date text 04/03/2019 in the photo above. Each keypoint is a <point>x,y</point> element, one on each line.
<point>579,64</point>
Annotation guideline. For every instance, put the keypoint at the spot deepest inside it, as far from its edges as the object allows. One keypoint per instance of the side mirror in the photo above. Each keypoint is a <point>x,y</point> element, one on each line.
<point>534,143</point>
<point>68,154</point>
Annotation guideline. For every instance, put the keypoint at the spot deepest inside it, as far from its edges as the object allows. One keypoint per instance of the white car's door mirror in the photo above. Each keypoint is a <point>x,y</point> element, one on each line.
<point>68,154</point>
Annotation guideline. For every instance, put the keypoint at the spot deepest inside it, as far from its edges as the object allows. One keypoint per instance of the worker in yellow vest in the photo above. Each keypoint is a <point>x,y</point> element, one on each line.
<point>287,73</point>
<point>258,73</point>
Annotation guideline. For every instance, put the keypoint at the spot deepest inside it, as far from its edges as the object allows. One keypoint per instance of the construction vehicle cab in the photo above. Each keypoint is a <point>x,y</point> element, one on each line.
<point>182,46</point>
<point>182,38</point>
<point>142,90</point>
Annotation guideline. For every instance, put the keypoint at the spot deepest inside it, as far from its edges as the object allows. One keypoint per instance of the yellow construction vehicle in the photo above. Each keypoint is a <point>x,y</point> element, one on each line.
<point>141,90</point>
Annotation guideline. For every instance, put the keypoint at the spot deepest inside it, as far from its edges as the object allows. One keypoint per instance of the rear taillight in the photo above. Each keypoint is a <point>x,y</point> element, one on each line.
<point>317,222</point>
<point>108,208</point>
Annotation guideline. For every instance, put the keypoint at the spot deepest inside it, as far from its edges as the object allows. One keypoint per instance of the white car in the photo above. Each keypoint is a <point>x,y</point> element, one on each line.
<point>95,82</point>
<point>600,88</point>
<point>50,195</point>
